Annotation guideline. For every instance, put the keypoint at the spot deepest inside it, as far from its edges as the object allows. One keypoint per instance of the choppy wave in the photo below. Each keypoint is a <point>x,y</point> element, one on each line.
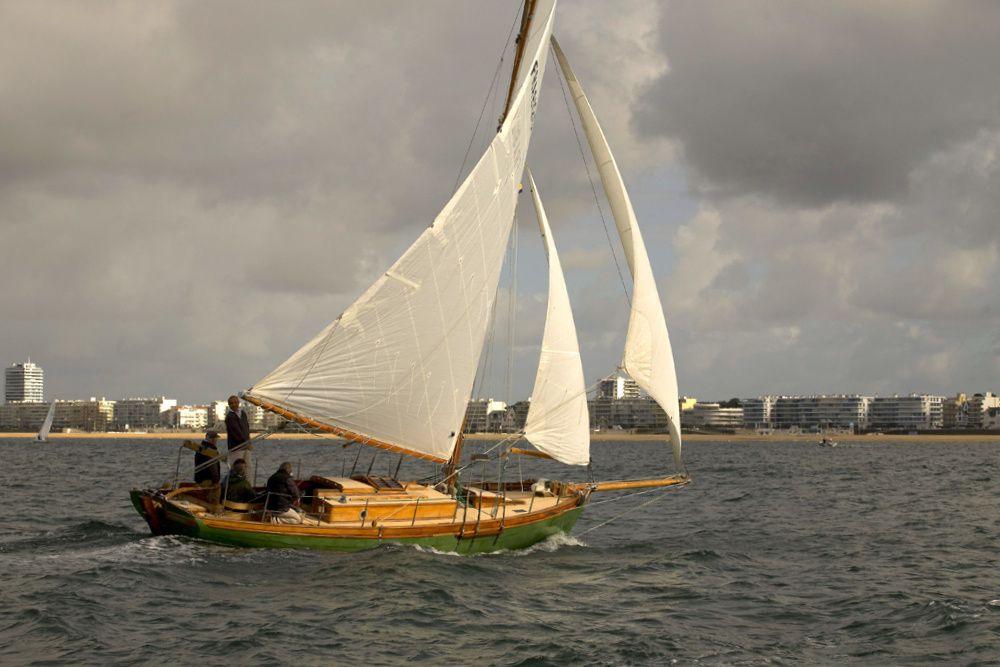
<point>778,555</point>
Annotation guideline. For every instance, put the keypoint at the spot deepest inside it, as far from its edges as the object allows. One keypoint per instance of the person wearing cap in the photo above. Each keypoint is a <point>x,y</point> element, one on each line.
<point>207,472</point>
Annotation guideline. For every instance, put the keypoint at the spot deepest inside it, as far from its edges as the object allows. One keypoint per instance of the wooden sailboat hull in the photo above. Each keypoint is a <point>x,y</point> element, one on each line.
<point>504,533</point>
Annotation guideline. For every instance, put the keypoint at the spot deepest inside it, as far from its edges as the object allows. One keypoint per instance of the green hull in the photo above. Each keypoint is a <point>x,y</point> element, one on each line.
<point>165,518</point>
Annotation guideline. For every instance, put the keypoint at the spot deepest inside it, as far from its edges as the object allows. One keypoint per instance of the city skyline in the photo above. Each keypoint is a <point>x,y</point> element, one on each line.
<point>812,228</point>
<point>617,384</point>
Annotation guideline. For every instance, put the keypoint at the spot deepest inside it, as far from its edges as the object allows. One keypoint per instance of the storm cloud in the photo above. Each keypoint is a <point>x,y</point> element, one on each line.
<point>189,191</point>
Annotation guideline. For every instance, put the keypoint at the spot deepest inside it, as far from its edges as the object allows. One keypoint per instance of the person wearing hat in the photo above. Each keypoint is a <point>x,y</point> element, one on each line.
<point>207,471</point>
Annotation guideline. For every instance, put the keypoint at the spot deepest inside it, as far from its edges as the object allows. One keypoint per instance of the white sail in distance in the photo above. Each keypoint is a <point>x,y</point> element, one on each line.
<point>558,421</point>
<point>43,433</point>
<point>648,358</point>
<point>398,365</point>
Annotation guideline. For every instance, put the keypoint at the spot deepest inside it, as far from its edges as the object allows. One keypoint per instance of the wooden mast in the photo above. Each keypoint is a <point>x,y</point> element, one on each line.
<point>450,476</point>
<point>522,37</point>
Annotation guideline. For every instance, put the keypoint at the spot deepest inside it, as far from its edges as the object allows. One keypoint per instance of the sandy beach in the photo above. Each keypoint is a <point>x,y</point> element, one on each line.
<point>688,437</point>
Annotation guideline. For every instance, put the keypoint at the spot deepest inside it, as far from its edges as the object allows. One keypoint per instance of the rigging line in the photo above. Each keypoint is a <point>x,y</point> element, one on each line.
<point>491,93</point>
<point>593,188</point>
<point>633,509</point>
<point>510,439</point>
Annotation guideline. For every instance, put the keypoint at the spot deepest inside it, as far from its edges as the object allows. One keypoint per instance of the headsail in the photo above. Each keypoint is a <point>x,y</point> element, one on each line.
<point>648,355</point>
<point>558,422</point>
<point>398,365</point>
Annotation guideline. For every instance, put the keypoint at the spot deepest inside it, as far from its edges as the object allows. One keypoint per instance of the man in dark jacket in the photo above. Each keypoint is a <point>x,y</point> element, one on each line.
<point>206,460</point>
<point>238,432</point>
<point>282,494</point>
<point>236,484</point>
<point>206,467</point>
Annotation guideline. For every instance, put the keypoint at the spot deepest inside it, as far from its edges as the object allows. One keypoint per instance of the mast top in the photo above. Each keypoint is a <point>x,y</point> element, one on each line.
<point>522,35</point>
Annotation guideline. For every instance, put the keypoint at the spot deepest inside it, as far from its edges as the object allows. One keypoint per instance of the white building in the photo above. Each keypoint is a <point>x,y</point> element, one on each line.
<point>757,411</point>
<point>24,382</point>
<point>977,406</point>
<point>217,412</point>
<point>617,387</point>
<point>190,417</point>
<point>821,412</point>
<point>916,411</point>
<point>140,414</point>
<point>713,415</point>
<point>92,415</point>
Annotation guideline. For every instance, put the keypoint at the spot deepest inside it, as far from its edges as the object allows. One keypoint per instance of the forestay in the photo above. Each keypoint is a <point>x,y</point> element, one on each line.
<point>648,355</point>
<point>558,421</point>
<point>398,365</point>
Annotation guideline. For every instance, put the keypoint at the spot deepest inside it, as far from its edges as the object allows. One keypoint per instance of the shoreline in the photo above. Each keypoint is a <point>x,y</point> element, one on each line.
<point>595,437</point>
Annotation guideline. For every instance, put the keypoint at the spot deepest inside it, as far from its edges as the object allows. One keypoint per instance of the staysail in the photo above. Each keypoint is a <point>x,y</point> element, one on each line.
<point>648,355</point>
<point>558,421</point>
<point>397,367</point>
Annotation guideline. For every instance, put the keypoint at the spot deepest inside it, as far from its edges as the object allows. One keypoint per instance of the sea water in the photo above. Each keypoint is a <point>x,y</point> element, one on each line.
<point>777,553</point>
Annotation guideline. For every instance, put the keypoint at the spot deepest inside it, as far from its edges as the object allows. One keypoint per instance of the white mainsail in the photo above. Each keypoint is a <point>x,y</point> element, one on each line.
<point>43,433</point>
<point>398,365</point>
<point>648,355</point>
<point>558,421</point>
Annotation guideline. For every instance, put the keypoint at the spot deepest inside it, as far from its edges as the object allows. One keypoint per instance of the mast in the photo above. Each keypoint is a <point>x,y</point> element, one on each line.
<point>450,477</point>
<point>526,16</point>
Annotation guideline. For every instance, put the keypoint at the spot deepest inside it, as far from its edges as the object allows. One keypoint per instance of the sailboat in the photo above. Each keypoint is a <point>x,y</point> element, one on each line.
<point>396,370</point>
<point>43,433</point>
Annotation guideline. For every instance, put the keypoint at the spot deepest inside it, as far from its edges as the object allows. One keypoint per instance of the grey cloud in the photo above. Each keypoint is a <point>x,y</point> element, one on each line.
<point>193,190</point>
<point>812,103</point>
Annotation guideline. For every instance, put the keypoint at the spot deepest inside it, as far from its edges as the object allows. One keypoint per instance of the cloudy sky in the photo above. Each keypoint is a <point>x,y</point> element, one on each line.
<point>190,190</point>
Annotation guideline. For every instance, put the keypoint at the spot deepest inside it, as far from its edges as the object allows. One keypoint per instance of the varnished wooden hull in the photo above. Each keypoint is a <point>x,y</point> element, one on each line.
<point>505,532</point>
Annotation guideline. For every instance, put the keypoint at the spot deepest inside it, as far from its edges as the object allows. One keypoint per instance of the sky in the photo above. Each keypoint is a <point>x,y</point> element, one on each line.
<point>189,191</point>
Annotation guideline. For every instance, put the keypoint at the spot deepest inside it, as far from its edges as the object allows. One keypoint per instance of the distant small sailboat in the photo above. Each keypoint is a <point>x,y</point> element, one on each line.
<point>396,371</point>
<point>43,433</point>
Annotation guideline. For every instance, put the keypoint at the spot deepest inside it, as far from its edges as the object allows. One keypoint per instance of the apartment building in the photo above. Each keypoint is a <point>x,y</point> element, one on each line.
<point>24,383</point>
<point>141,414</point>
<point>91,415</point>
<point>820,412</point>
<point>911,412</point>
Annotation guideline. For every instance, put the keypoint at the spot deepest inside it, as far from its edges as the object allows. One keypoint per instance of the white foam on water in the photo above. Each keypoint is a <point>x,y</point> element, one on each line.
<point>553,543</point>
<point>548,545</point>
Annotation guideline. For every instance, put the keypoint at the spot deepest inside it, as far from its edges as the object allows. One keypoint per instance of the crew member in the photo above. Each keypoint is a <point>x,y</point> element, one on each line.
<point>238,431</point>
<point>206,467</point>
<point>283,496</point>
<point>237,486</point>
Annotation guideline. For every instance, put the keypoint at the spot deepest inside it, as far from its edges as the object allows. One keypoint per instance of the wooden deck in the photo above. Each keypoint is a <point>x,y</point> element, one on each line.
<point>339,503</point>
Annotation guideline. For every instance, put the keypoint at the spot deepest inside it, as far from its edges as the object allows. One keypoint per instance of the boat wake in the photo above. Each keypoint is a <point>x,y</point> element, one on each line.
<point>74,537</point>
<point>551,544</point>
